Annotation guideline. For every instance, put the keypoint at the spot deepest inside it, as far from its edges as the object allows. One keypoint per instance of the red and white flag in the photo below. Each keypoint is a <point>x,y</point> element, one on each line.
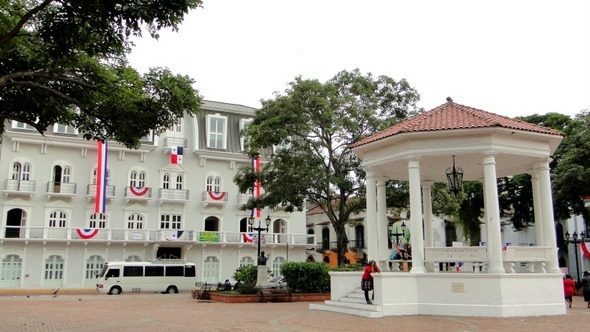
<point>257,186</point>
<point>176,153</point>
<point>101,178</point>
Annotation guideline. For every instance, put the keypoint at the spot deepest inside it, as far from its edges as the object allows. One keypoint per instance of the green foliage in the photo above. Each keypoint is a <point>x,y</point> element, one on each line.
<point>312,126</point>
<point>247,276</point>
<point>64,62</point>
<point>306,277</point>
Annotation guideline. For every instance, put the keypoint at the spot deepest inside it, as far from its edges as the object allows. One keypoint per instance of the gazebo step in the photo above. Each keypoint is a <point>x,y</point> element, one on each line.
<point>362,310</point>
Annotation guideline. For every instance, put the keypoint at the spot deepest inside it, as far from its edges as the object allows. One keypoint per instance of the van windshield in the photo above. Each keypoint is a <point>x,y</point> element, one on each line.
<point>103,271</point>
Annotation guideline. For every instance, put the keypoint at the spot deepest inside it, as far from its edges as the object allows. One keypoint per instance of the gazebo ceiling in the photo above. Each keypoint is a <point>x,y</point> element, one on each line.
<point>451,129</point>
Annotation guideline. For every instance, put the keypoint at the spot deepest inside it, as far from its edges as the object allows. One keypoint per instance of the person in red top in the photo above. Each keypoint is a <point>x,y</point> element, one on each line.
<point>367,280</point>
<point>569,287</point>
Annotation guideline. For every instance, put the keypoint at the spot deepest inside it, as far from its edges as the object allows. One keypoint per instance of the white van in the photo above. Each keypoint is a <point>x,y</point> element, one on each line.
<point>169,276</point>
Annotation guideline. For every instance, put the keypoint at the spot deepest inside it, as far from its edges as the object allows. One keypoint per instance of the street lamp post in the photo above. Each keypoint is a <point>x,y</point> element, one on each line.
<point>259,229</point>
<point>575,240</point>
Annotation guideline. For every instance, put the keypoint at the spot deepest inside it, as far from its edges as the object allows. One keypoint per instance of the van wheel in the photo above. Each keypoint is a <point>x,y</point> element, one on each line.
<point>115,291</point>
<point>172,290</point>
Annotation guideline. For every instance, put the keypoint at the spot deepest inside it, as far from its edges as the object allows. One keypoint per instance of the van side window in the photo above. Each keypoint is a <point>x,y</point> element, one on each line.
<point>113,273</point>
<point>154,271</point>
<point>190,271</point>
<point>133,271</point>
<point>174,271</point>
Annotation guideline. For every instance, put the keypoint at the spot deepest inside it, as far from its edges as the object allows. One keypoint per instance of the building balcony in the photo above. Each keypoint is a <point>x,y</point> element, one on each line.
<point>138,194</point>
<point>28,234</point>
<point>175,141</point>
<point>173,195</point>
<point>215,198</point>
<point>19,188</point>
<point>91,192</point>
<point>243,198</point>
<point>61,190</point>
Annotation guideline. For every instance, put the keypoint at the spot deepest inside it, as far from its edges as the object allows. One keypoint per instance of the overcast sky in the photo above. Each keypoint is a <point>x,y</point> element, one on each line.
<point>513,58</point>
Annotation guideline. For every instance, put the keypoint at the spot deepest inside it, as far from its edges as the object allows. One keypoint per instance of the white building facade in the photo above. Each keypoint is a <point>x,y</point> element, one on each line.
<point>50,236</point>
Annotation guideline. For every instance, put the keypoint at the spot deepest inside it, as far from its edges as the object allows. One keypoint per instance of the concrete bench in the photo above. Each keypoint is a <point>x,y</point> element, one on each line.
<point>534,257</point>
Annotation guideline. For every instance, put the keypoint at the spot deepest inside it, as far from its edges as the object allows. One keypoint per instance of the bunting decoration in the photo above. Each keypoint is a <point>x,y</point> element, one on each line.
<point>176,153</point>
<point>248,237</point>
<point>139,191</point>
<point>216,196</point>
<point>585,249</point>
<point>87,233</point>
<point>101,177</point>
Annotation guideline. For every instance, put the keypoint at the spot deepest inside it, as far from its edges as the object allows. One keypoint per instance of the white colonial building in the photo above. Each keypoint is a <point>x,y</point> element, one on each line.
<point>50,236</point>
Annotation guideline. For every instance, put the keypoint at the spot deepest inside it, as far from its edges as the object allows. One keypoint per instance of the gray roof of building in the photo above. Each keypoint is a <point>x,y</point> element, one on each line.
<point>227,107</point>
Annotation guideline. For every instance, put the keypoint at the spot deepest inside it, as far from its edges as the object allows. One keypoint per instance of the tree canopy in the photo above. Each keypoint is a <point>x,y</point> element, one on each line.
<point>63,61</point>
<point>311,127</point>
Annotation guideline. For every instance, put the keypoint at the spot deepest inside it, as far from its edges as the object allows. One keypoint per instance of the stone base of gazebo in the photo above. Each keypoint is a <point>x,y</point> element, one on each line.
<point>451,294</point>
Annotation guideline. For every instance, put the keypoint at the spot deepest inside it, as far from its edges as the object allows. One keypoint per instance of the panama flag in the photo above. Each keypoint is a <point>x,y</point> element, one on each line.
<point>101,178</point>
<point>176,153</point>
<point>256,168</point>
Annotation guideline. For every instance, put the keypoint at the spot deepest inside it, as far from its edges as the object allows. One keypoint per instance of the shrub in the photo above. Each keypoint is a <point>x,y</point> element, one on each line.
<point>247,277</point>
<point>306,277</point>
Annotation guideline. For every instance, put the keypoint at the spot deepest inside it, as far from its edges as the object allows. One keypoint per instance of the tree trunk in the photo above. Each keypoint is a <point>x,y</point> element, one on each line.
<point>342,242</point>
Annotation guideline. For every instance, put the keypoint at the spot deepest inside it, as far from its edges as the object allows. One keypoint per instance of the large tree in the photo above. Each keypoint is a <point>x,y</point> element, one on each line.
<point>311,127</point>
<point>63,61</point>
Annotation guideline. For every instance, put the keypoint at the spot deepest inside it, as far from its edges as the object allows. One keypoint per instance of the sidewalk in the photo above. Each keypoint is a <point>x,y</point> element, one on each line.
<point>179,312</point>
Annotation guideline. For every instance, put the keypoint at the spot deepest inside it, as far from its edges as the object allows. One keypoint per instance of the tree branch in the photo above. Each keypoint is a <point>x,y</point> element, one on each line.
<point>7,80</point>
<point>46,88</point>
<point>14,32</point>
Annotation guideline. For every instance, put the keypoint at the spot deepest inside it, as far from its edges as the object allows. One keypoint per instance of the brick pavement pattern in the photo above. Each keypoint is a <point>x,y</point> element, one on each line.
<point>179,312</point>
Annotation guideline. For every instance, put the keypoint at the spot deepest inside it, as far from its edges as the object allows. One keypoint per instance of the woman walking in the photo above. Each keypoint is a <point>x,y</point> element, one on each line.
<point>585,285</point>
<point>367,280</point>
<point>569,288</point>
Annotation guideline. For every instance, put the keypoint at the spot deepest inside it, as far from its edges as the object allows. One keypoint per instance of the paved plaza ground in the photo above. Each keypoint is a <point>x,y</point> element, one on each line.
<point>179,312</point>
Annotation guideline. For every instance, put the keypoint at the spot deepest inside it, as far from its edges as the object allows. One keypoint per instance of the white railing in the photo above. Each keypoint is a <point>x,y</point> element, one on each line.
<point>142,235</point>
<point>443,257</point>
<point>533,257</point>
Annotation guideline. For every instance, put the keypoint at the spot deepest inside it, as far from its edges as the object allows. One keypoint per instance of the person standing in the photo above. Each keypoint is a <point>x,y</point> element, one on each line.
<point>367,280</point>
<point>585,285</point>
<point>569,288</point>
<point>364,260</point>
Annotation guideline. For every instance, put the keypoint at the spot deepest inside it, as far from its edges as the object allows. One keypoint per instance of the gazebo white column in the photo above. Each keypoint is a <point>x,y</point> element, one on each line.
<point>547,215</point>
<point>382,222</point>
<point>492,215</point>
<point>427,208</point>
<point>416,233</point>
<point>539,240</point>
<point>371,217</point>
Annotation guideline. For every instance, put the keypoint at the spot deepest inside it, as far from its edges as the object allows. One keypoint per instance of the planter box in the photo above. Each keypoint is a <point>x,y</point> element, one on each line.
<point>249,298</point>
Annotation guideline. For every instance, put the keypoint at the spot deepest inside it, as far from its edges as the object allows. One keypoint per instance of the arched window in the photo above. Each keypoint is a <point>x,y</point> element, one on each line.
<point>133,258</point>
<point>94,176</point>
<point>214,183</point>
<point>179,179</point>
<point>21,171</point>
<point>98,220</point>
<point>11,267</point>
<point>54,267</point>
<point>166,181</point>
<point>94,264</point>
<point>135,221</point>
<point>58,219</point>
<point>137,179</point>
<point>276,266</point>
<point>246,260</point>
<point>211,270</point>
<point>212,224</point>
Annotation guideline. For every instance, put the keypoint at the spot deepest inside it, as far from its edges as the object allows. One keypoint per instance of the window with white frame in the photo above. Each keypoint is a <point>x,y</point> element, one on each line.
<point>214,183</point>
<point>170,221</point>
<point>64,129</point>
<point>22,125</point>
<point>54,267</point>
<point>216,131</point>
<point>135,221</point>
<point>246,260</point>
<point>94,265</point>
<point>11,267</point>
<point>176,128</point>
<point>21,171</point>
<point>61,174</point>
<point>58,219</point>
<point>166,181</point>
<point>211,269</point>
<point>94,171</point>
<point>179,179</point>
<point>98,220</point>
<point>137,178</point>
<point>276,266</point>
<point>243,139</point>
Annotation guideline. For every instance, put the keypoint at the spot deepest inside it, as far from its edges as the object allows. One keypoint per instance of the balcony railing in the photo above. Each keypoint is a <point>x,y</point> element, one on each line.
<point>91,191</point>
<point>173,195</point>
<point>243,198</point>
<point>138,194</point>
<point>215,198</point>
<point>175,141</point>
<point>19,187</point>
<point>61,189</point>
<point>142,235</point>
